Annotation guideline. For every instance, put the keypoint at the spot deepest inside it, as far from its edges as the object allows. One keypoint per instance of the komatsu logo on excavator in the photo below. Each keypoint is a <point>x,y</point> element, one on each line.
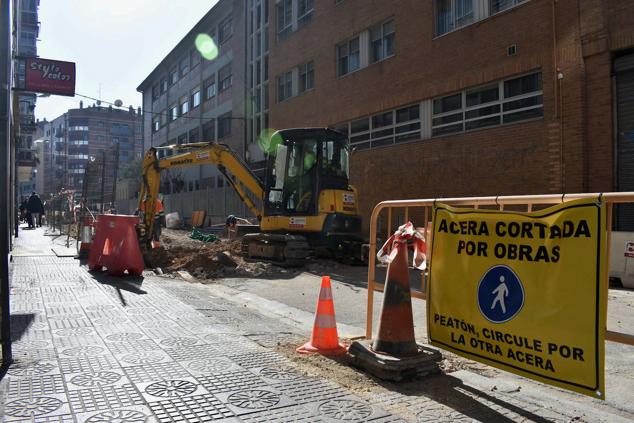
<point>180,162</point>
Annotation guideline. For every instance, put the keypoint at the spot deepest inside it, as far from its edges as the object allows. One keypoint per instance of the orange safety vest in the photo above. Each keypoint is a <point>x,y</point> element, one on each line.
<point>158,206</point>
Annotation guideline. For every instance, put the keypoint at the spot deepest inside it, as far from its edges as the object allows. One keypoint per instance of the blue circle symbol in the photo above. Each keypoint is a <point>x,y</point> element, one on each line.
<point>500,294</point>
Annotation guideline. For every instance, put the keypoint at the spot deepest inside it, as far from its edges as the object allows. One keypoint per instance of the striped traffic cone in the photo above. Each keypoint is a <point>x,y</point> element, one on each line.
<point>324,339</point>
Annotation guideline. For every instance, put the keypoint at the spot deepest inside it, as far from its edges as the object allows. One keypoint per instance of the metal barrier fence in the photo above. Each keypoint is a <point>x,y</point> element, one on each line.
<point>415,210</point>
<point>218,203</point>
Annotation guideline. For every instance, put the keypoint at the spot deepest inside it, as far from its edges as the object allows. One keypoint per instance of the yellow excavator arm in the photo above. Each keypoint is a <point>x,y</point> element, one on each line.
<point>220,155</point>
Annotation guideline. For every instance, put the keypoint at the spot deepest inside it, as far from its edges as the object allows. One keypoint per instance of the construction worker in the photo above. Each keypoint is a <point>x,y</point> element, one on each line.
<point>159,217</point>
<point>232,223</point>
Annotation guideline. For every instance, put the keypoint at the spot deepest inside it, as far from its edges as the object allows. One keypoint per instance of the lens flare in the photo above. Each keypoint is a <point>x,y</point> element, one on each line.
<point>269,140</point>
<point>206,46</point>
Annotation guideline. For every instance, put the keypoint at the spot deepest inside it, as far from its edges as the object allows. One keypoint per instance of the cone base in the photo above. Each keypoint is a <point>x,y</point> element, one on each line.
<point>396,369</point>
<point>309,348</point>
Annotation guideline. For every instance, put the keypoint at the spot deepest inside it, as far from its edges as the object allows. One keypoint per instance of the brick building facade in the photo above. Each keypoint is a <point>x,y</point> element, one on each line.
<point>89,133</point>
<point>462,97</point>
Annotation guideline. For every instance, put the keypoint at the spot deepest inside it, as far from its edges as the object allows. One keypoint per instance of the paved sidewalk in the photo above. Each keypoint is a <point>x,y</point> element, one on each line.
<point>90,348</point>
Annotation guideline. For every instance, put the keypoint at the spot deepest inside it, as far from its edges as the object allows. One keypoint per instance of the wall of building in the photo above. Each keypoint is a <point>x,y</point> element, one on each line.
<point>221,106</point>
<point>569,149</point>
<point>94,132</point>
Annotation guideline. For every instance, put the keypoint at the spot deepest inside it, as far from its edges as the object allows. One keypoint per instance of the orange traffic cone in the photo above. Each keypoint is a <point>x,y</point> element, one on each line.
<point>324,339</point>
<point>396,325</point>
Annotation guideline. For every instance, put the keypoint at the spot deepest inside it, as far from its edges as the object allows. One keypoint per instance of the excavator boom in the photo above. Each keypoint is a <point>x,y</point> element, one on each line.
<point>235,170</point>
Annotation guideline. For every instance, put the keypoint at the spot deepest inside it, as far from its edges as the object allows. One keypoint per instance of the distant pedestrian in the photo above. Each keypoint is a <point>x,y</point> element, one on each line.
<point>35,209</point>
<point>23,210</point>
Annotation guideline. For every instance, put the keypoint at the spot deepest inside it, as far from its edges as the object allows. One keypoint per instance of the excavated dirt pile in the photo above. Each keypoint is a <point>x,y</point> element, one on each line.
<point>202,260</point>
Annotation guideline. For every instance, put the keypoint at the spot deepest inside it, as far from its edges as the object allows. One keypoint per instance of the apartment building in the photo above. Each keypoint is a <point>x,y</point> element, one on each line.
<point>26,33</point>
<point>198,94</point>
<point>446,98</point>
<point>90,133</point>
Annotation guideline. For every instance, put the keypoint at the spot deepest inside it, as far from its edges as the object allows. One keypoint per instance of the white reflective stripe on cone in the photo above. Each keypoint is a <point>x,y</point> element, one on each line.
<point>325,294</point>
<point>326,321</point>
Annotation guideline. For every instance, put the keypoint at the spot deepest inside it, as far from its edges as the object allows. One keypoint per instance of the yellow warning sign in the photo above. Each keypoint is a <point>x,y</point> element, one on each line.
<point>524,292</point>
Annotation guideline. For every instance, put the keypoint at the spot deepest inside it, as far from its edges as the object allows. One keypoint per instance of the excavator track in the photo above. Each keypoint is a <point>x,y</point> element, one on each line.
<point>281,249</point>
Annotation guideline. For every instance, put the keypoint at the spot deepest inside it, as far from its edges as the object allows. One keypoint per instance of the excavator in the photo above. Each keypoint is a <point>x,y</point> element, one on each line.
<point>305,206</point>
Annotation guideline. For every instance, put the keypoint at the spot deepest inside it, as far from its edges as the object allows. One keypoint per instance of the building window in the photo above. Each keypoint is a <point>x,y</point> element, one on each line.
<point>184,66</point>
<point>306,76</point>
<point>224,78</point>
<point>225,30</point>
<point>184,104</point>
<point>453,14</point>
<point>156,123</point>
<point>224,125</point>
<point>501,5</point>
<point>382,41</point>
<point>182,138</point>
<point>209,130</point>
<point>155,92</point>
<point>163,85</point>
<point>173,76</point>
<point>173,112</point>
<point>284,86</point>
<point>448,115</point>
<point>523,98</point>
<point>284,17</point>
<point>221,181</point>
<point>196,98</point>
<point>348,56</point>
<point>304,11</point>
<point>194,57</point>
<point>509,101</point>
<point>210,88</point>
<point>193,135</point>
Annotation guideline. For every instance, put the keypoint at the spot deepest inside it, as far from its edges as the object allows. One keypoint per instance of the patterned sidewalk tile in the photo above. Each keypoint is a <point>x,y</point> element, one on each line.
<point>247,401</point>
<point>155,372</point>
<point>44,406</point>
<point>114,377</point>
<point>104,398</point>
<point>171,388</point>
<point>192,409</point>
<point>128,414</point>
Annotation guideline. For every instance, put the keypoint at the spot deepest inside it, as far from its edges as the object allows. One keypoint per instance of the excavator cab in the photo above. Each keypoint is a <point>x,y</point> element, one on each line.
<point>307,188</point>
<point>301,164</point>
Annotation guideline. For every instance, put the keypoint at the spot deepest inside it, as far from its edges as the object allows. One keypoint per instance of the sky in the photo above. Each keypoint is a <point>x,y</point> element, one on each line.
<point>115,44</point>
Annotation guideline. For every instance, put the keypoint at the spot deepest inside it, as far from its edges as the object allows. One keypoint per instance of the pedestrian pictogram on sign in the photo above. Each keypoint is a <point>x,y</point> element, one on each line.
<point>500,294</point>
